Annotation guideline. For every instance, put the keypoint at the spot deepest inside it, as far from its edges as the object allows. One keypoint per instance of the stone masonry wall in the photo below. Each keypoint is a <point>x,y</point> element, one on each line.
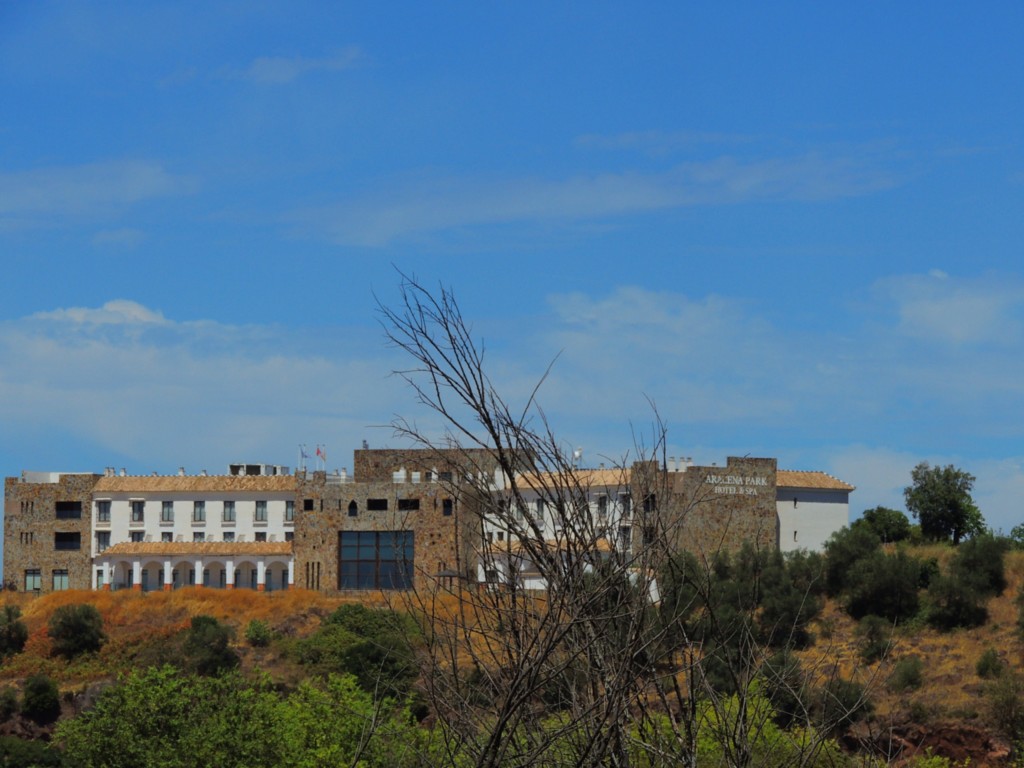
<point>30,525</point>
<point>718,508</point>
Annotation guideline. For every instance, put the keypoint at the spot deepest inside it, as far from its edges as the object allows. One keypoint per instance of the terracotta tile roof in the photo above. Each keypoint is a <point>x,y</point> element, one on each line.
<point>788,478</point>
<point>219,548</point>
<point>195,483</point>
<point>616,477</point>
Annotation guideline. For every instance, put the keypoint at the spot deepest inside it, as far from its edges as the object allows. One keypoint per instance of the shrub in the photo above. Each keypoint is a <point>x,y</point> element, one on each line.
<point>989,666</point>
<point>843,550</point>
<point>954,603</point>
<point>8,703</point>
<point>13,632</point>
<point>842,703</point>
<point>884,585</point>
<point>1006,705</point>
<point>979,563</point>
<point>40,699</point>
<point>257,634</point>
<point>207,647</point>
<point>15,753</point>
<point>889,525</point>
<point>875,634</point>
<point>907,675</point>
<point>76,629</point>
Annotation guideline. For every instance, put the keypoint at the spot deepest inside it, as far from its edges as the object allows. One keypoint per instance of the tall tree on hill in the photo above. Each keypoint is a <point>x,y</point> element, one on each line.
<point>590,671</point>
<point>940,498</point>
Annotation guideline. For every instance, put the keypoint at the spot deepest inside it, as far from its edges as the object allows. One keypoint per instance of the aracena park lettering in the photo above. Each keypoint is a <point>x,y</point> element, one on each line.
<point>743,485</point>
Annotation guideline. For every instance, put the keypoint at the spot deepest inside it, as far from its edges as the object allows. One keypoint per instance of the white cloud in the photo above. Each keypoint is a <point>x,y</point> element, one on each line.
<point>438,205</point>
<point>959,311</point>
<point>116,312</point>
<point>84,190</point>
<point>275,70</point>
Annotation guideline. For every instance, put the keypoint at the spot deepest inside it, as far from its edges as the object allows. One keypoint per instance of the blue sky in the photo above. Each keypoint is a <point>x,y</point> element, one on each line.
<point>796,228</point>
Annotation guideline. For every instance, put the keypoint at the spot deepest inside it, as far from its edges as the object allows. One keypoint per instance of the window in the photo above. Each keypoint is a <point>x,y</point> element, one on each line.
<point>103,511</point>
<point>69,510</point>
<point>229,512</point>
<point>138,511</point>
<point>289,511</point>
<point>33,579</point>
<point>353,509</point>
<point>229,536</point>
<point>198,536</point>
<point>625,536</point>
<point>539,509</point>
<point>137,537</point>
<point>28,537</point>
<point>289,535</point>
<point>199,512</point>
<point>60,579</point>
<point>626,503</point>
<point>167,536</point>
<point>307,505</point>
<point>167,512</point>
<point>260,536</point>
<point>67,541</point>
<point>444,477</point>
<point>650,503</point>
<point>447,507</point>
<point>375,559</point>
<point>102,540</point>
<point>261,512</point>
<point>408,505</point>
<point>377,505</point>
<point>602,506</point>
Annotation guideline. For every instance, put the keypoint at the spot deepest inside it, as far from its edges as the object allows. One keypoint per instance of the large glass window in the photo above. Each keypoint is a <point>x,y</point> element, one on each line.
<point>69,510</point>
<point>199,512</point>
<point>167,512</point>
<point>289,511</point>
<point>33,579</point>
<point>229,512</point>
<point>138,511</point>
<point>102,540</point>
<point>375,559</point>
<point>60,579</point>
<point>103,511</point>
<point>69,540</point>
<point>261,512</point>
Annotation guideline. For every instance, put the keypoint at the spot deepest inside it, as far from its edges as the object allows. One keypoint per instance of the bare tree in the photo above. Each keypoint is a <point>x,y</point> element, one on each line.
<point>597,666</point>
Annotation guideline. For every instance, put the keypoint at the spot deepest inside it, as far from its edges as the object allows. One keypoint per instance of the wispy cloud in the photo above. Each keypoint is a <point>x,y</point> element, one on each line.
<point>83,190</point>
<point>276,70</point>
<point>658,142</point>
<point>450,204</point>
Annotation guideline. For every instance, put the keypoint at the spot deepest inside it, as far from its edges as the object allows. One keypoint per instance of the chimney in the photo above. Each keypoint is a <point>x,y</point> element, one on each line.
<point>181,471</point>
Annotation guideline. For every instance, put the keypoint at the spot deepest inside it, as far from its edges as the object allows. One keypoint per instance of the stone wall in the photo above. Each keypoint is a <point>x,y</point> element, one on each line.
<point>31,527</point>
<point>718,508</point>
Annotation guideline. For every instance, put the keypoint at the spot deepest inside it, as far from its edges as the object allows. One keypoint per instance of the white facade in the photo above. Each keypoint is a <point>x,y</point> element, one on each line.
<point>811,506</point>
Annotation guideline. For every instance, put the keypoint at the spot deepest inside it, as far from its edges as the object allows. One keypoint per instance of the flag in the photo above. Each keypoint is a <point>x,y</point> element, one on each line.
<point>302,450</point>
<point>321,454</point>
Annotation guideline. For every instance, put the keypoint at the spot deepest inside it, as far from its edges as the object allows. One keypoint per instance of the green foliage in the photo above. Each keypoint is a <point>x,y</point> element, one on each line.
<point>875,636</point>
<point>907,675</point>
<point>21,753</point>
<point>1006,705</point>
<point>989,665</point>
<point>979,562</point>
<point>187,721</point>
<point>40,699</point>
<point>786,688</point>
<point>76,629</point>
<point>953,602</point>
<point>8,703</point>
<point>207,648</point>
<point>940,498</point>
<point>13,632</point>
<point>842,703</point>
<point>374,645</point>
<point>889,525</point>
<point>884,585</point>
<point>257,633</point>
<point>843,551</point>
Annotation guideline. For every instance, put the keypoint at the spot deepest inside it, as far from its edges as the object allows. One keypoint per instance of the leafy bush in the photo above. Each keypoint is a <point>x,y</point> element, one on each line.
<point>989,666</point>
<point>1006,705</point>
<point>955,603</point>
<point>22,753</point>
<point>979,563</point>
<point>76,629</point>
<point>875,635</point>
<point>257,634</point>
<point>843,550</point>
<point>907,675</point>
<point>207,647</point>
<point>842,703</point>
<point>884,585</point>
<point>40,699</point>
<point>8,703</point>
<point>889,525</point>
<point>13,632</point>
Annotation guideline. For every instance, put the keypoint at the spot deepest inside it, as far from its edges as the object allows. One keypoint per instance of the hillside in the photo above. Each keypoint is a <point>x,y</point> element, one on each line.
<point>949,713</point>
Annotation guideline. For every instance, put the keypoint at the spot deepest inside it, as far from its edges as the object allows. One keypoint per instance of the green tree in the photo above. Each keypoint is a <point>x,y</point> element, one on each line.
<point>843,550</point>
<point>889,525</point>
<point>940,499</point>
<point>76,629</point>
<point>207,647</point>
<point>40,699</point>
<point>13,632</point>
